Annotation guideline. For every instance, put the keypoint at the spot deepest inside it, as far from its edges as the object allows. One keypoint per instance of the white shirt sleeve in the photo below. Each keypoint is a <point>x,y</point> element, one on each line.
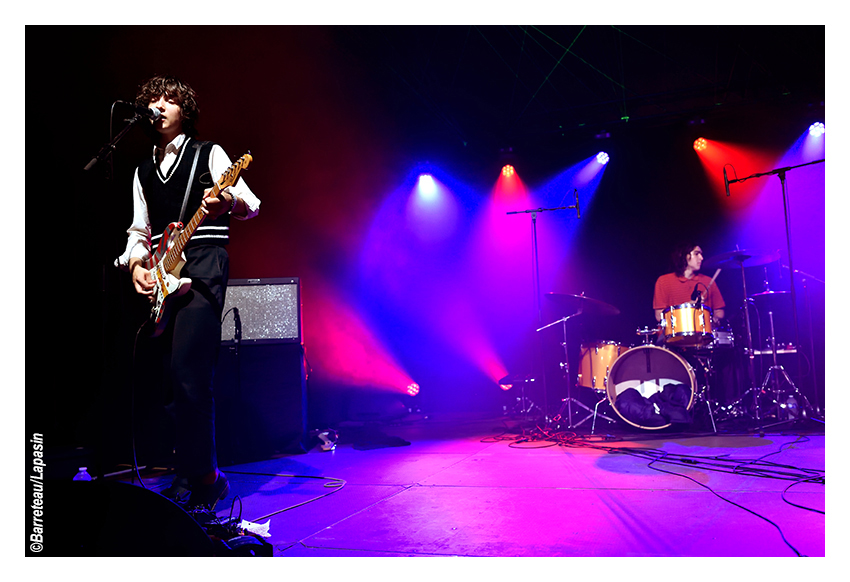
<point>139,233</point>
<point>219,163</point>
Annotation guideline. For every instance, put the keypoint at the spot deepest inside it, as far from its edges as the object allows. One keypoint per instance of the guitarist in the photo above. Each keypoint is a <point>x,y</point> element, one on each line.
<point>162,191</point>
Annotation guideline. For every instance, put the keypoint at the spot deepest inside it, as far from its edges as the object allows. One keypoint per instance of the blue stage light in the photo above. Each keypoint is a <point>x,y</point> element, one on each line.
<point>817,129</point>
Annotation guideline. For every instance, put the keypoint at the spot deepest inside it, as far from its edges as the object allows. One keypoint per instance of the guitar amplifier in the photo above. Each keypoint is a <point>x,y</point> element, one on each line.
<point>261,380</point>
<point>269,311</point>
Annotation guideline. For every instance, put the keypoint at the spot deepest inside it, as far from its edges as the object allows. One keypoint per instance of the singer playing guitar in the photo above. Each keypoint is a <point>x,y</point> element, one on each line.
<point>171,186</point>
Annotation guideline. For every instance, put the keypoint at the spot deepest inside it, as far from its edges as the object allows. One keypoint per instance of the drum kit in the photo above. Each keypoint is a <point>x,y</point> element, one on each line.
<point>658,382</point>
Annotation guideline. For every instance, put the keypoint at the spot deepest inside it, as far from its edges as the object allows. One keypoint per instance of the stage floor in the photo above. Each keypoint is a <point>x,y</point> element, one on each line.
<point>464,486</point>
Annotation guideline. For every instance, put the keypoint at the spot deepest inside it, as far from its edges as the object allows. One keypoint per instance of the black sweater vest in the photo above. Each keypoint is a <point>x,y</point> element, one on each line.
<point>164,195</point>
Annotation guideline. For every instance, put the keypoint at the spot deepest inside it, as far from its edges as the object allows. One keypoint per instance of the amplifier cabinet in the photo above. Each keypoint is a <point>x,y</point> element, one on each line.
<point>260,381</point>
<point>263,310</point>
<point>260,402</point>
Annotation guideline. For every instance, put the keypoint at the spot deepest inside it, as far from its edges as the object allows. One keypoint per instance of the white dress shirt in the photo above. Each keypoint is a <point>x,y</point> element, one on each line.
<point>139,233</point>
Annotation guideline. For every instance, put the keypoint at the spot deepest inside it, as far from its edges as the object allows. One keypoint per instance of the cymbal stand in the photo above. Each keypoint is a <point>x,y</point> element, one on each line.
<point>569,400</point>
<point>772,373</point>
<point>748,348</point>
<point>535,267</point>
<point>705,393</point>
<point>781,173</point>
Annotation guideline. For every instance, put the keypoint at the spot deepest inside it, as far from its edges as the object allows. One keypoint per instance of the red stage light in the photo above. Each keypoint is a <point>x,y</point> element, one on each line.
<point>508,171</point>
<point>700,144</point>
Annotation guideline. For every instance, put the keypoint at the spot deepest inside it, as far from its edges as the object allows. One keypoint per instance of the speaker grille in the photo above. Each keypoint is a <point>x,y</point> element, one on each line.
<point>269,309</point>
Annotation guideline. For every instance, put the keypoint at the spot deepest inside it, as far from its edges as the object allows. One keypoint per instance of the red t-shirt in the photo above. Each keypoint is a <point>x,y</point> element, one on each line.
<point>672,290</point>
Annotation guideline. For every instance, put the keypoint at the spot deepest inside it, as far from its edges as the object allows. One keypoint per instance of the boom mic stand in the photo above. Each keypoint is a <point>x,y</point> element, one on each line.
<point>780,172</point>
<point>109,147</point>
<point>535,267</point>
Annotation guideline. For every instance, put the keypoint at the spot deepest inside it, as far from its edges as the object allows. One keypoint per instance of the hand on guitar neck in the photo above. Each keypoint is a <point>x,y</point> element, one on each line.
<point>214,206</point>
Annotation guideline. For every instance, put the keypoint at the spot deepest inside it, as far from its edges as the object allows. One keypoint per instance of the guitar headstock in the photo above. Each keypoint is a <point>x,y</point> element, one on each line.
<point>232,173</point>
<point>245,160</point>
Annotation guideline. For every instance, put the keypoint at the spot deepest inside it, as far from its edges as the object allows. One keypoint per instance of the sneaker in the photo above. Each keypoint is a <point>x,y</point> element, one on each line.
<point>209,495</point>
<point>178,491</point>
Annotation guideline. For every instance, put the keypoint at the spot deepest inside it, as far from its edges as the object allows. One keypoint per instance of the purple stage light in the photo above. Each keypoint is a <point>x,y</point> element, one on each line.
<point>602,158</point>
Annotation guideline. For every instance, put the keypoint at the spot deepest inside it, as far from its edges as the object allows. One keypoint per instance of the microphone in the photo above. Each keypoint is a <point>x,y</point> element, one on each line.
<point>695,294</point>
<point>149,112</point>
<point>726,181</point>
<point>578,212</point>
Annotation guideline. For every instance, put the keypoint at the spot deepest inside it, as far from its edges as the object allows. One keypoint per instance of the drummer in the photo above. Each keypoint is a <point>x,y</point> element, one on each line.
<point>682,285</point>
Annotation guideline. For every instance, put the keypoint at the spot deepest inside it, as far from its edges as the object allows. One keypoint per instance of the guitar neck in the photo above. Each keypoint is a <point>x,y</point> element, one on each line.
<point>174,255</point>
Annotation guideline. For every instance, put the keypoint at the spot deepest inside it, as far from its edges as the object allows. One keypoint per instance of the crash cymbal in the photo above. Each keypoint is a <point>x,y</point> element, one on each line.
<point>737,258</point>
<point>585,304</point>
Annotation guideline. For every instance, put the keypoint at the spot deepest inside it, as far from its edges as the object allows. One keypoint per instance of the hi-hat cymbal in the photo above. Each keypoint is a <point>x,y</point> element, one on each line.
<point>737,258</point>
<point>585,304</point>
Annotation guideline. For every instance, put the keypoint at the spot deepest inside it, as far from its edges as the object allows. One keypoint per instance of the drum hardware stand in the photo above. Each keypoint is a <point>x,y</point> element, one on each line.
<point>536,282</point>
<point>807,301</point>
<point>780,172</point>
<point>569,400</point>
<point>647,333</point>
<point>805,407</point>
<point>705,393</point>
<point>595,414</point>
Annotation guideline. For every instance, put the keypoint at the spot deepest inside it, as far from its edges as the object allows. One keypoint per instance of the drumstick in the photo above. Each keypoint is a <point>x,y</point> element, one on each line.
<point>717,272</point>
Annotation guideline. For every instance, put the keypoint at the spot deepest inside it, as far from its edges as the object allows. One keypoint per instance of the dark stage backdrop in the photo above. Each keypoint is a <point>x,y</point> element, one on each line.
<point>330,139</point>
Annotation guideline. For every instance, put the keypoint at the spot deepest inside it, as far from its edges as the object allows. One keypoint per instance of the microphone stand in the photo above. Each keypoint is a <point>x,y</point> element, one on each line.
<point>780,172</point>
<point>535,267</point>
<point>107,149</point>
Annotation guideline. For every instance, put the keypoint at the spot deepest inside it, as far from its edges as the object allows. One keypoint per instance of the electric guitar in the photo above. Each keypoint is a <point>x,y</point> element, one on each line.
<point>165,264</point>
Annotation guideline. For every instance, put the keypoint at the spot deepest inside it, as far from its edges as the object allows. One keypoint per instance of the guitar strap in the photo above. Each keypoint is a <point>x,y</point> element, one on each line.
<point>197,145</point>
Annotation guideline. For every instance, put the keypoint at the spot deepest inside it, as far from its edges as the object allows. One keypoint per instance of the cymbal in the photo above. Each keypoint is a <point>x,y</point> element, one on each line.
<point>737,258</point>
<point>770,294</point>
<point>585,304</point>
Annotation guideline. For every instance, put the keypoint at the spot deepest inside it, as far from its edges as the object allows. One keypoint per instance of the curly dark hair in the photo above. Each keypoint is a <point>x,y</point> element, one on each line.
<point>175,89</point>
<point>679,257</point>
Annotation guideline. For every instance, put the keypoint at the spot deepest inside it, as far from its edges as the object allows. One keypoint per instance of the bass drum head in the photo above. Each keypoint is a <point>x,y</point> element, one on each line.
<point>651,388</point>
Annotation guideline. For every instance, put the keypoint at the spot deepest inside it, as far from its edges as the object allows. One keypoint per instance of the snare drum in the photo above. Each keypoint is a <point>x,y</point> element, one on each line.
<point>595,363</point>
<point>724,339</point>
<point>641,373</point>
<point>686,325</point>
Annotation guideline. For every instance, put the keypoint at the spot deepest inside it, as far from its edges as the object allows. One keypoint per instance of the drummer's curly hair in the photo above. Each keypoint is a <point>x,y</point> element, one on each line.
<point>176,89</point>
<point>679,257</point>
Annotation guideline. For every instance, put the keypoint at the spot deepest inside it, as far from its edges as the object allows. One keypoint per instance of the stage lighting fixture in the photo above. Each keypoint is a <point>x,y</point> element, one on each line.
<point>427,186</point>
<point>700,144</point>
<point>817,129</point>
<point>412,389</point>
<point>508,381</point>
<point>602,158</point>
<point>508,171</point>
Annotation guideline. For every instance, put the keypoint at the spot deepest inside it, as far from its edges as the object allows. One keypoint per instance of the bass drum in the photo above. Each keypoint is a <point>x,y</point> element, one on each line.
<point>651,388</point>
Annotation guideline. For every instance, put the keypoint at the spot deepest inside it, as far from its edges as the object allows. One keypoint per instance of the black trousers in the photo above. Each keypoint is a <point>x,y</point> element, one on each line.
<point>188,351</point>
